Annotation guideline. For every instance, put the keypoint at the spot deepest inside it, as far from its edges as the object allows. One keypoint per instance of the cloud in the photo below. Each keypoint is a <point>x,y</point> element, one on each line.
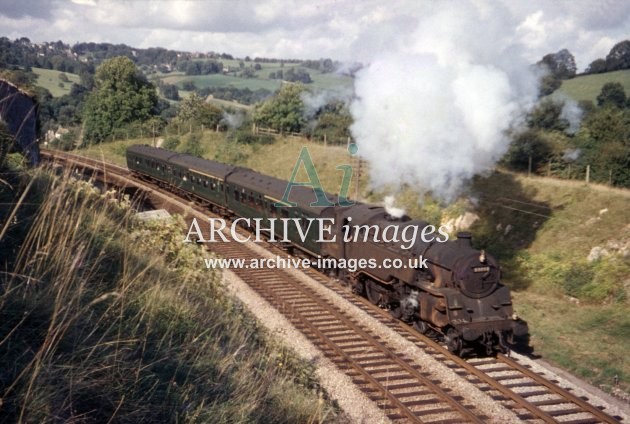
<point>341,29</point>
<point>17,9</point>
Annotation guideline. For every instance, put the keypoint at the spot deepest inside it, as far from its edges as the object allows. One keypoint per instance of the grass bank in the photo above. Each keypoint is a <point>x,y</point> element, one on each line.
<point>107,319</point>
<point>588,87</point>
<point>54,82</point>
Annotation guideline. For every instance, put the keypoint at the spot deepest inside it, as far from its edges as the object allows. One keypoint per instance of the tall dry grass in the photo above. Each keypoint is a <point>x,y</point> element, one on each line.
<point>107,319</point>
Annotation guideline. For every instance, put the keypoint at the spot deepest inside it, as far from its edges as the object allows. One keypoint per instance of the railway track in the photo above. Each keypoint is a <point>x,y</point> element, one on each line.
<point>398,386</point>
<point>528,394</point>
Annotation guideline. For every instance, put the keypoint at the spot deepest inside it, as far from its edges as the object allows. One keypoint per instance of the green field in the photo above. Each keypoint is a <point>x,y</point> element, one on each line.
<point>587,87</point>
<point>49,79</point>
<point>324,81</point>
<point>220,80</point>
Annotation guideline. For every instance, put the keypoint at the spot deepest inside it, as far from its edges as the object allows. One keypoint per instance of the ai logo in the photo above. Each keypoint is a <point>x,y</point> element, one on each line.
<point>314,182</point>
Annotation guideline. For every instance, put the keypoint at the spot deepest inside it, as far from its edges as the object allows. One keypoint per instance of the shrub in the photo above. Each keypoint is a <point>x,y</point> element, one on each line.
<point>171,143</point>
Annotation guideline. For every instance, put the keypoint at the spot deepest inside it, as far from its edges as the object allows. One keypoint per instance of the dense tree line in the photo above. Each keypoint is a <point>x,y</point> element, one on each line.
<point>198,67</point>
<point>618,58</point>
<point>550,146</point>
<point>286,112</point>
<point>22,53</point>
<point>245,95</point>
<point>322,65</point>
<point>292,75</point>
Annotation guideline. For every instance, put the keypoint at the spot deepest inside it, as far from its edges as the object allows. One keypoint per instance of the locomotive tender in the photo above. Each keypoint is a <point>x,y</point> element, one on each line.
<point>457,296</point>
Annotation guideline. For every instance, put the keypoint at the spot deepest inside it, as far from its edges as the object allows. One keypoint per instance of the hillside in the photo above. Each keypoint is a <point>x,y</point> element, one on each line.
<point>321,80</point>
<point>542,230</point>
<point>587,87</point>
<point>54,82</point>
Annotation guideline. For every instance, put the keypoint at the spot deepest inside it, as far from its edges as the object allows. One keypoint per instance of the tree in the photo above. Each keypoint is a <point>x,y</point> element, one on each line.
<point>284,111</point>
<point>548,84</point>
<point>612,94</point>
<point>597,66</point>
<point>333,122</point>
<point>194,111</point>
<point>526,146</point>
<point>604,140</point>
<point>122,95</point>
<point>170,91</point>
<point>560,64</point>
<point>547,116</point>
<point>619,56</point>
<point>189,86</point>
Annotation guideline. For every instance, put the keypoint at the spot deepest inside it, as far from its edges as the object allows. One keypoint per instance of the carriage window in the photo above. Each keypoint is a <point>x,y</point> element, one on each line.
<point>205,183</point>
<point>284,212</point>
<point>236,193</point>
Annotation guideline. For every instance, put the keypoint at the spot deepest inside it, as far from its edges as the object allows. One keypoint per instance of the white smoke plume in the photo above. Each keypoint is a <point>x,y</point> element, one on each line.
<point>432,108</point>
<point>233,120</point>
<point>314,101</point>
<point>571,155</point>
<point>390,209</point>
<point>572,112</point>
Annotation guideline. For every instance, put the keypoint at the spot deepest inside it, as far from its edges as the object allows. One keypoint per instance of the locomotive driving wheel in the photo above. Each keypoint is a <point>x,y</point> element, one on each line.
<point>373,293</point>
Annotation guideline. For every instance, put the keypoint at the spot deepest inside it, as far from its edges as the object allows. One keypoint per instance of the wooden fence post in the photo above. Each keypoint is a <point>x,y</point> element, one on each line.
<point>610,177</point>
<point>588,173</point>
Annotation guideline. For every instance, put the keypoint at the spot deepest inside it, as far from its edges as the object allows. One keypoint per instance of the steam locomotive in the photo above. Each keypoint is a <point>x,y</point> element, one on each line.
<point>458,296</point>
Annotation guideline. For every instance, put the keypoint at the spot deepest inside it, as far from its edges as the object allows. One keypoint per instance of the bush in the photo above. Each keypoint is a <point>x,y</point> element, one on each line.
<point>171,143</point>
<point>245,136</point>
<point>230,152</point>
<point>192,145</point>
<point>526,145</point>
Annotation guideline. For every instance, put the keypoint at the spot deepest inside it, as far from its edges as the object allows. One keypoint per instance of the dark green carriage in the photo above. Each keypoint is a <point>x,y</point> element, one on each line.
<point>253,195</point>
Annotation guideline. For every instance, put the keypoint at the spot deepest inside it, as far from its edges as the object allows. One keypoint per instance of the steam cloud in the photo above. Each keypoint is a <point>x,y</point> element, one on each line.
<point>390,209</point>
<point>432,110</point>
<point>233,120</point>
<point>572,112</point>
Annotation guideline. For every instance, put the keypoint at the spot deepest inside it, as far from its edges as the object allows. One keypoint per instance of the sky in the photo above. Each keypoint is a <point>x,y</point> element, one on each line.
<point>345,30</point>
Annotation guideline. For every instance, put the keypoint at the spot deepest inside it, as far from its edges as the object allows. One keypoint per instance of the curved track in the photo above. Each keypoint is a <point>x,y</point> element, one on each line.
<point>397,385</point>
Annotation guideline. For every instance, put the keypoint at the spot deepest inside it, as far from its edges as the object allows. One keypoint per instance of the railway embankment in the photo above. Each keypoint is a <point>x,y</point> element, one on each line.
<point>105,318</point>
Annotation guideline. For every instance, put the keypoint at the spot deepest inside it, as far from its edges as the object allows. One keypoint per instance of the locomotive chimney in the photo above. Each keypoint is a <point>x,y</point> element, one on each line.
<point>464,239</point>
